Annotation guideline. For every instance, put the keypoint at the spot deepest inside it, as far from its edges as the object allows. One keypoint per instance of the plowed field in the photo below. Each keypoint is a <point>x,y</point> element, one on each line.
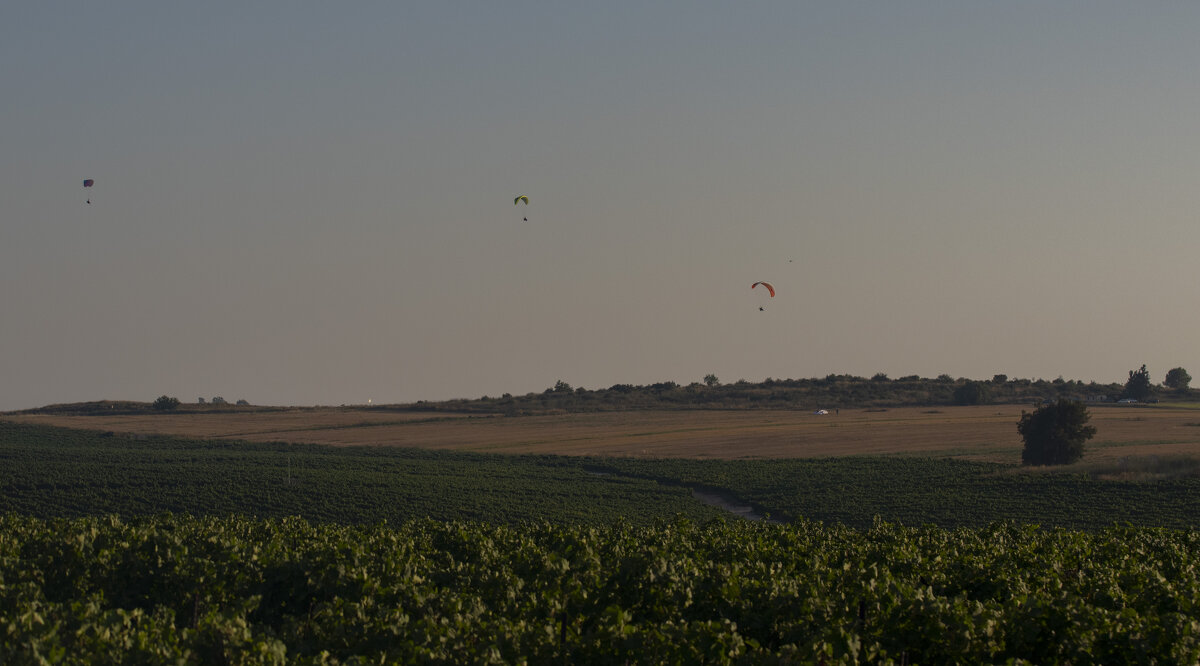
<point>980,433</point>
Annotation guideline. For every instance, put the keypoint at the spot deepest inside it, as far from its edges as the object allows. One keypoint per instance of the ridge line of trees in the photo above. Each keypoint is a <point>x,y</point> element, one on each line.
<point>831,391</point>
<point>834,390</point>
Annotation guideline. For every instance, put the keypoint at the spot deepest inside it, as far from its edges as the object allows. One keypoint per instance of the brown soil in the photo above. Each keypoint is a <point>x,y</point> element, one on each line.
<point>980,433</point>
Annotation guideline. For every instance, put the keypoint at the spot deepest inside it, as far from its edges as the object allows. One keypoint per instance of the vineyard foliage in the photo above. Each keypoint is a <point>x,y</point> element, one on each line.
<point>58,472</point>
<point>248,591</point>
<point>53,472</point>
<point>166,550</point>
<point>917,491</point>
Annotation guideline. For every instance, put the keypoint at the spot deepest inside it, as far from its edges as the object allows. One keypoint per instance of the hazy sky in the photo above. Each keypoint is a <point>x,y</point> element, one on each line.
<point>311,203</point>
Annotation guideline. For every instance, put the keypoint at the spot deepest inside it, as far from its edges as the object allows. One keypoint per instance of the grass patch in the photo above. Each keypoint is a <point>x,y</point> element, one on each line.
<point>1145,468</point>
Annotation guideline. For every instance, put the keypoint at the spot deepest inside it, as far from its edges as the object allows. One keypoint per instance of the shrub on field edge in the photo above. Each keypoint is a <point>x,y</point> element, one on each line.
<point>1054,434</point>
<point>166,403</point>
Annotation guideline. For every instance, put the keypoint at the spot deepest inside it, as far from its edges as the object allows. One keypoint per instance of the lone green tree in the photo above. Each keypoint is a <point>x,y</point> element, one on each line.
<point>1054,434</point>
<point>1138,387</point>
<point>165,403</point>
<point>1177,380</point>
<point>711,380</point>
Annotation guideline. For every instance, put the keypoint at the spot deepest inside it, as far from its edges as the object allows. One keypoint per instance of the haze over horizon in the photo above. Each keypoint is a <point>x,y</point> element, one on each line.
<point>302,203</point>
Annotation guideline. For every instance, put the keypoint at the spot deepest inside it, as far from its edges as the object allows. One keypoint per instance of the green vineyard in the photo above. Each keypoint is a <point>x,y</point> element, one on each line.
<point>55,472</point>
<point>233,590</point>
<point>166,550</point>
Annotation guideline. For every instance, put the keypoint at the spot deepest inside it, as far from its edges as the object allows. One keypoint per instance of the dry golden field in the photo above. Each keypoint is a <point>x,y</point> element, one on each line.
<point>978,433</point>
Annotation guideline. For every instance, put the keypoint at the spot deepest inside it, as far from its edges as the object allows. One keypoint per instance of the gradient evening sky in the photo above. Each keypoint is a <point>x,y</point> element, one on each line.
<point>311,203</point>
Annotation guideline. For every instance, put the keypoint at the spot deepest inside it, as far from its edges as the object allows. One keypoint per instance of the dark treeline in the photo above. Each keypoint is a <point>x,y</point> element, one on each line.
<point>830,392</point>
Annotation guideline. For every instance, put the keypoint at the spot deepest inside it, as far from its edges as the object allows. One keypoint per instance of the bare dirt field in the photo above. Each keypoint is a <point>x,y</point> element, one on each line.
<point>978,433</point>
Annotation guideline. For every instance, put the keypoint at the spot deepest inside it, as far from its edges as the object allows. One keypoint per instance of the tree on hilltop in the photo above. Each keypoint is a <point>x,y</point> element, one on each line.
<point>1177,380</point>
<point>972,393</point>
<point>165,403</point>
<point>1138,387</point>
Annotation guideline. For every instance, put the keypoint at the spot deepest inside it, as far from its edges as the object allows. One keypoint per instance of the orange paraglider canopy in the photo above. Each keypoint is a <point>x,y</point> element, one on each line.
<point>767,285</point>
